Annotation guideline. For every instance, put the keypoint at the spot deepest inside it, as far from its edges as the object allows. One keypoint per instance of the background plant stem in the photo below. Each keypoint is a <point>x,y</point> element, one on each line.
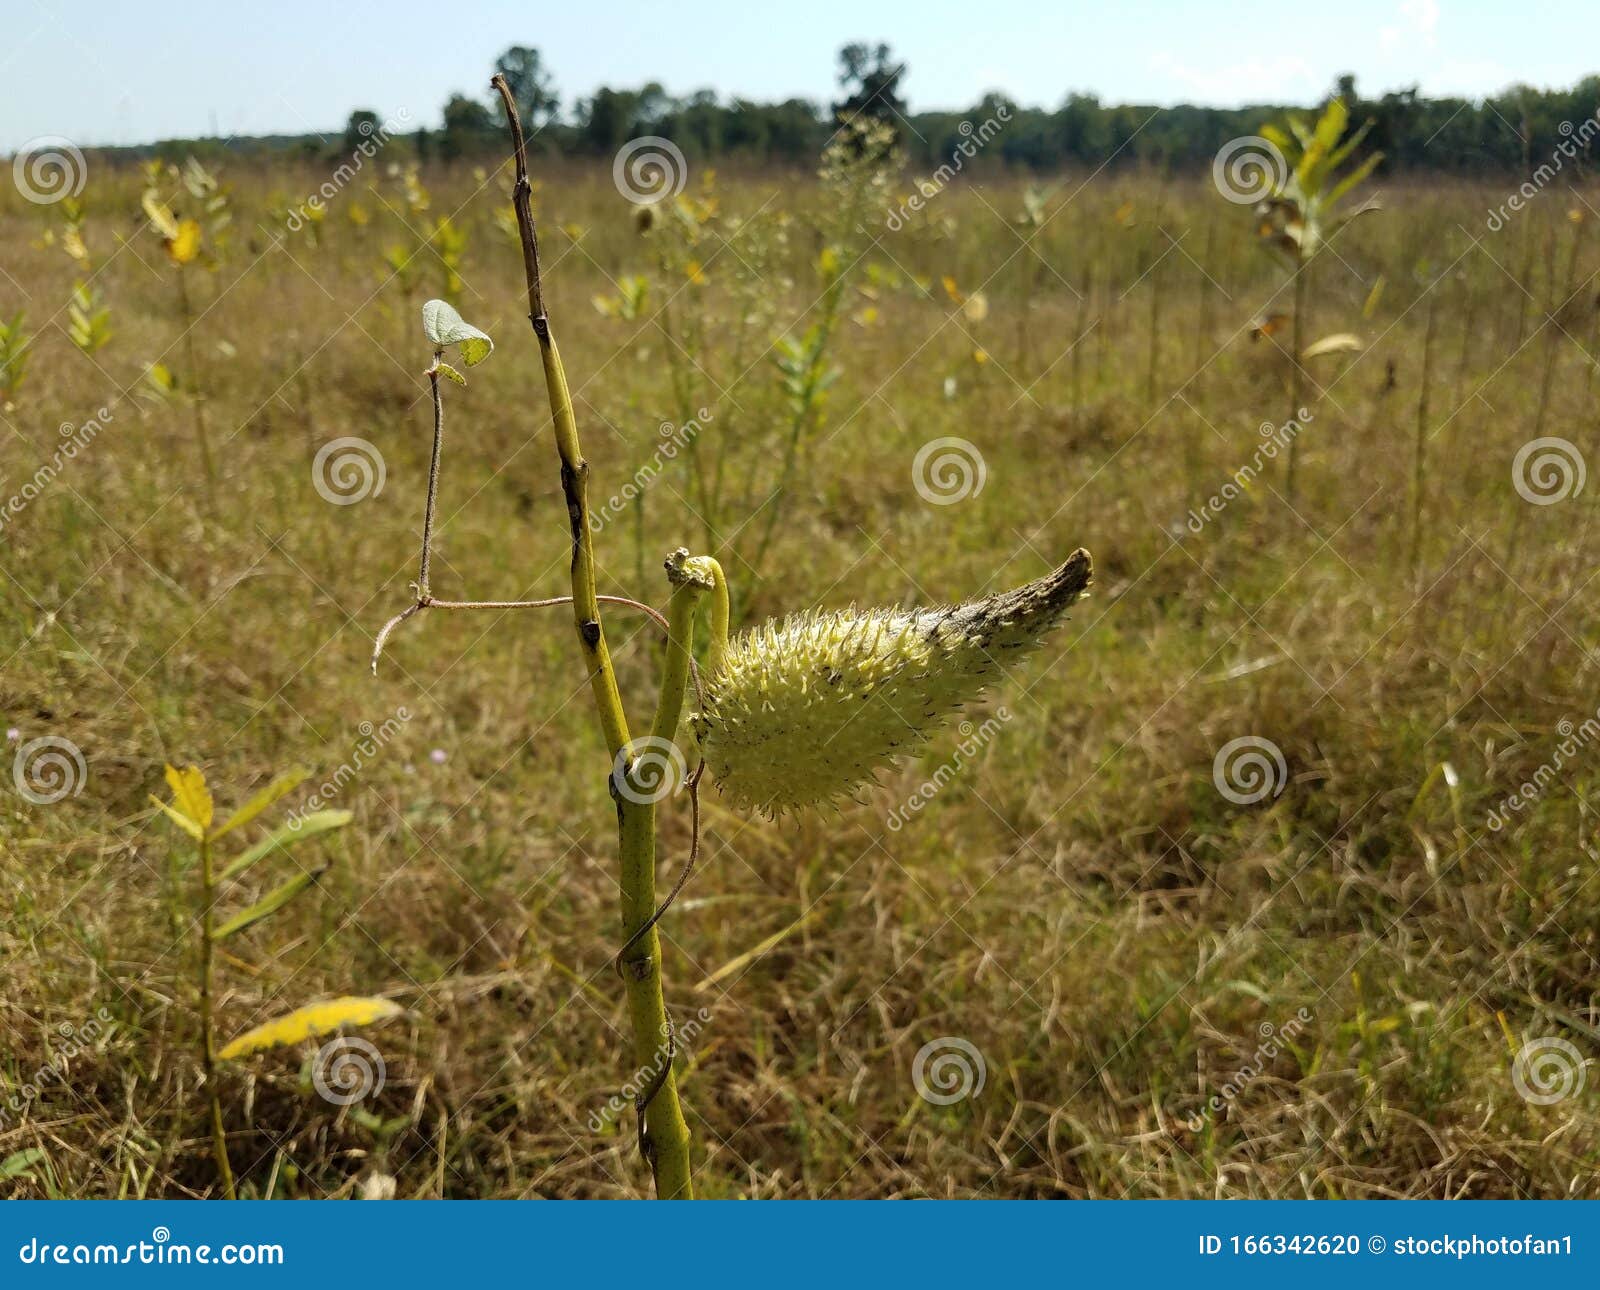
<point>208,1053</point>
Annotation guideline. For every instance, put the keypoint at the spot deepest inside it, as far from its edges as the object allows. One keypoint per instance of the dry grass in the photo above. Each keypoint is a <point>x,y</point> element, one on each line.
<point>1080,904</point>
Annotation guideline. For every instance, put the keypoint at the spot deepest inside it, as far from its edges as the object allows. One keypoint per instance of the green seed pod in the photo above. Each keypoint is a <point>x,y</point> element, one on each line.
<point>807,710</point>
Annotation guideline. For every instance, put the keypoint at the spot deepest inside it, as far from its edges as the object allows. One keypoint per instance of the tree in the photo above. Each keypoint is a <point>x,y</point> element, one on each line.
<point>871,81</point>
<point>531,86</point>
<point>363,124</point>
<point>606,121</point>
<point>467,127</point>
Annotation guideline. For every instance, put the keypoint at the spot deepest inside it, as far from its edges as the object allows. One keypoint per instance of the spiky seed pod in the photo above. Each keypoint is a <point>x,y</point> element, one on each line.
<point>808,710</point>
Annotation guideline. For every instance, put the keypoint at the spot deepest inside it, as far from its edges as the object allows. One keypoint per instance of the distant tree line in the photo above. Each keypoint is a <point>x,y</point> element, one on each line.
<point>1515,130</point>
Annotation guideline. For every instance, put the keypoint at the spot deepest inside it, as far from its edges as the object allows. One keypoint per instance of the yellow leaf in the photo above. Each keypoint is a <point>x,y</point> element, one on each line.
<point>1123,213</point>
<point>182,821</point>
<point>751,955</point>
<point>1373,296</point>
<point>320,1018</point>
<point>828,263</point>
<point>695,273</point>
<point>1340,343</point>
<point>184,245</point>
<point>161,217</point>
<point>190,794</point>
<point>980,357</point>
<point>951,290</point>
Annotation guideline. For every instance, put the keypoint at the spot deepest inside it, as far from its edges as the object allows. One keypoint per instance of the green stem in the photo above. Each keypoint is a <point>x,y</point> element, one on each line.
<point>667,1143</point>
<point>197,397</point>
<point>208,1048</point>
<point>1297,384</point>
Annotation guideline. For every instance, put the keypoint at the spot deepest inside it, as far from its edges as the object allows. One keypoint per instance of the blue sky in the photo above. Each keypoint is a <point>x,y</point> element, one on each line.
<point>100,71</point>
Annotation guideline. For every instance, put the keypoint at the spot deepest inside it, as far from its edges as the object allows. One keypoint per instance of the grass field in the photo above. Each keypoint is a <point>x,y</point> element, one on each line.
<point>1088,959</point>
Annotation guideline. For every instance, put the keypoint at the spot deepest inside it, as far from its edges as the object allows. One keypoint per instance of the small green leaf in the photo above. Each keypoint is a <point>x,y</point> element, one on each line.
<point>269,904</point>
<point>447,371</point>
<point>265,798</point>
<point>18,1163</point>
<point>444,326</point>
<point>307,826</point>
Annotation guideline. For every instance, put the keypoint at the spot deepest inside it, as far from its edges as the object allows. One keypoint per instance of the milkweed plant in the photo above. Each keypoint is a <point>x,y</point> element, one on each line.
<point>787,716</point>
